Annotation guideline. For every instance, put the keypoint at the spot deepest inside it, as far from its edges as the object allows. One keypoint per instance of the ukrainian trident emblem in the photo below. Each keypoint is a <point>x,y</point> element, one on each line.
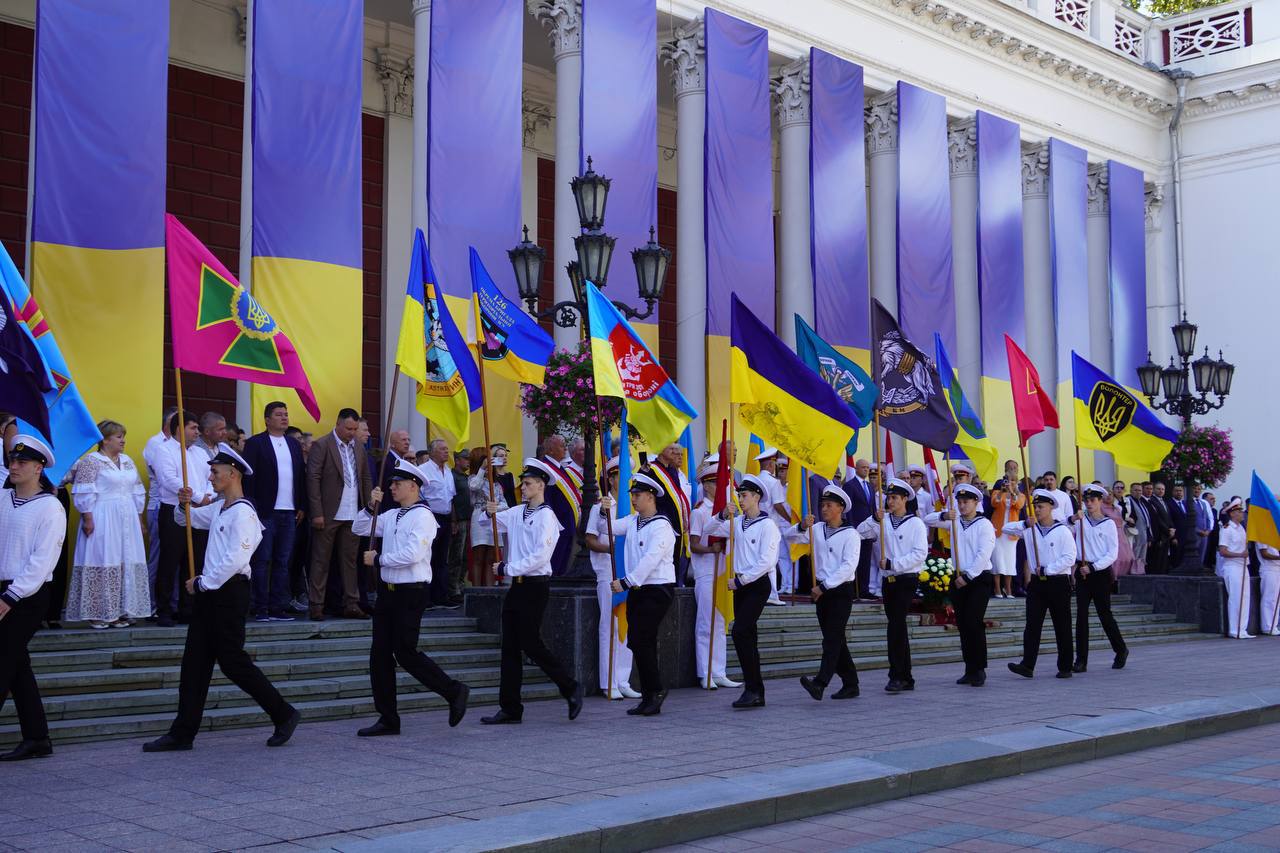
<point>1111,409</point>
<point>222,302</point>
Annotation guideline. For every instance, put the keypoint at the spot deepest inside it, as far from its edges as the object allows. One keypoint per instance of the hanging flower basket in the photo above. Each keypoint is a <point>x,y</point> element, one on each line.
<point>565,405</point>
<point>1202,455</point>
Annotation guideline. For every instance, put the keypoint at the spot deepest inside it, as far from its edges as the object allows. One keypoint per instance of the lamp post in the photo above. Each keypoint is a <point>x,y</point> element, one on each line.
<point>1209,376</point>
<point>594,250</point>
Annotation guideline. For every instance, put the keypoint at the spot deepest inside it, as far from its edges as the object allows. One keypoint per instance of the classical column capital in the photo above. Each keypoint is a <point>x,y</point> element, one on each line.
<point>395,73</point>
<point>1035,170</point>
<point>686,54</point>
<point>562,20</point>
<point>1153,201</point>
<point>882,124</point>
<point>791,91</point>
<point>535,116</point>
<point>1097,185</point>
<point>962,147</point>
<point>419,7</point>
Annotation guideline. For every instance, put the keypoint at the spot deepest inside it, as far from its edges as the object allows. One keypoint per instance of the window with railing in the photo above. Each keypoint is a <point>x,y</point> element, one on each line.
<point>1128,39</point>
<point>1213,33</point>
<point>1073,13</point>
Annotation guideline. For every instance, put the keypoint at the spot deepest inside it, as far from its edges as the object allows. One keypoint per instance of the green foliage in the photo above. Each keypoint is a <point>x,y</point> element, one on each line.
<point>1171,7</point>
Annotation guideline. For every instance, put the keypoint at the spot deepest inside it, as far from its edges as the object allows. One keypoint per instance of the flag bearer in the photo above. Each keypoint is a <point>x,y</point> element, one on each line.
<point>755,555</point>
<point>615,657</point>
<point>650,583</point>
<point>906,546</point>
<point>1052,553</point>
<point>1233,550</point>
<point>1099,542</point>
<point>707,555</point>
<point>972,543</point>
<point>532,533</point>
<point>33,525</point>
<point>220,605</point>
<point>836,550</point>
<point>404,568</point>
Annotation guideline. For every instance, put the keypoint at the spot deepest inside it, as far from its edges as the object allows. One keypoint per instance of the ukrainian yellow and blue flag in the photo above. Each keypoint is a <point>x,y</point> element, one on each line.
<point>783,401</point>
<point>1108,417</point>
<point>511,342</point>
<point>432,351</point>
<point>623,510</point>
<point>1263,524</point>
<point>971,439</point>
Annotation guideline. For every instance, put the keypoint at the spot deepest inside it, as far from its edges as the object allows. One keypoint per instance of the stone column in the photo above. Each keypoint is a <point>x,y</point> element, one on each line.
<point>882,219</point>
<point>795,293</point>
<point>421,10</point>
<point>563,22</point>
<point>687,56</point>
<point>1037,272</point>
<point>1098,235</point>
<point>962,150</point>
<point>1162,274</point>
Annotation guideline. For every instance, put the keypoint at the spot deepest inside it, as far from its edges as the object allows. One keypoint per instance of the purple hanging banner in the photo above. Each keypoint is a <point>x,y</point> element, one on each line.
<point>926,294</point>
<point>473,147</point>
<point>1068,245</point>
<point>620,124</point>
<point>838,194</point>
<point>1128,268</point>
<point>738,193</point>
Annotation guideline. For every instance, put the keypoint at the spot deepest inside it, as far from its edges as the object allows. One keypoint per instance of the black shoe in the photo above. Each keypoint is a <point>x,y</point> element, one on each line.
<point>166,743</point>
<point>575,702</point>
<point>280,616</point>
<point>1122,657</point>
<point>53,624</point>
<point>650,706</point>
<point>640,709</point>
<point>849,691</point>
<point>978,679</point>
<point>164,620</point>
<point>458,705</point>
<point>658,699</point>
<point>378,729</point>
<point>896,686</point>
<point>812,687</point>
<point>1022,669</point>
<point>749,699</point>
<point>284,730</point>
<point>29,749</point>
<point>1080,666</point>
<point>501,718</point>
<point>1063,673</point>
<point>967,678</point>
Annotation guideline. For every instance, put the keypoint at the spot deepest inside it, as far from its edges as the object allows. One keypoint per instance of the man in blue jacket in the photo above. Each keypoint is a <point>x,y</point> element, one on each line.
<point>278,490</point>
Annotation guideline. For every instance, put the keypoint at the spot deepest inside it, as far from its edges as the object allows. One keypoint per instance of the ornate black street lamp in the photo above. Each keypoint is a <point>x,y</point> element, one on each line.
<point>1175,380</point>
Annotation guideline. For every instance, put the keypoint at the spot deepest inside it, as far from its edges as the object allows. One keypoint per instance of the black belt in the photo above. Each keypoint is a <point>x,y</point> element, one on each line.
<point>531,579</point>
<point>5,585</point>
<point>415,585</point>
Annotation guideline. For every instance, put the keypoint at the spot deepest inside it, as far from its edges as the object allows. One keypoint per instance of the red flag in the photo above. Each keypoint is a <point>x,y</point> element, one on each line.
<point>1032,407</point>
<point>724,474</point>
<point>887,461</point>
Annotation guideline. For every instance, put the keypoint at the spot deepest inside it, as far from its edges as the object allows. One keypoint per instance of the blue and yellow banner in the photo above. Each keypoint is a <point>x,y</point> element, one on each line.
<point>1108,417</point>
<point>1263,524</point>
<point>842,373</point>
<point>1068,211</point>
<point>511,343</point>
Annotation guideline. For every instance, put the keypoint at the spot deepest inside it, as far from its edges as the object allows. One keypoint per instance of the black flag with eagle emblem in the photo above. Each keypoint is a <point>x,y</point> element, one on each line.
<point>911,401</point>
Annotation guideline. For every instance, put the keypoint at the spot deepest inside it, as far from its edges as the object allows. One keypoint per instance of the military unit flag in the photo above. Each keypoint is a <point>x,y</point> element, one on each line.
<point>511,342</point>
<point>1032,406</point>
<point>971,439</point>
<point>911,399</point>
<point>849,381</point>
<point>1108,417</point>
<point>219,329</point>
<point>24,380</point>
<point>433,353</point>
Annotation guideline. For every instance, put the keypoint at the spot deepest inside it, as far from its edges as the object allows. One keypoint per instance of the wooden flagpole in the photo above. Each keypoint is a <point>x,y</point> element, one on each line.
<point>386,443</point>
<point>1083,512</point>
<point>182,451</point>
<point>1028,516</point>
<point>947,507</point>
<point>488,443</point>
<point>608,526</point>
<point>715,572</point>
<point>875,451</point>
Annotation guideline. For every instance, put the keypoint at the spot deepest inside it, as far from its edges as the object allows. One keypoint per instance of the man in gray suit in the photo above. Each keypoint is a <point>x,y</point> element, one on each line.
<point>338,486</point>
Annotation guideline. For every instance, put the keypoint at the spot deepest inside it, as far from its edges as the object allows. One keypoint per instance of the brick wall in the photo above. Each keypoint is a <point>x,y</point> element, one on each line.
<point>372,179</point>
<point>547,236</point>
<point>667,305</point>
<point>17,46</point>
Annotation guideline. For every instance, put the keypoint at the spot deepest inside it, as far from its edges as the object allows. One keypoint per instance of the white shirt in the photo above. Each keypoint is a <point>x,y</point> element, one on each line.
<point>234,534</point>
<point>595,524</point>
<point>649,549</point>
<point>169,474</point>
<point>439,489</point>
<point>702,565</point>
<point>31,534</point>
<point>284,471</point>
<point>755,545</point>
<point>972,542</point>
<point>1232,537</point>
<point>532,533</point>
<point>1054,546</point>
<point>348,503</point>
<point>1100,541</point>
<point>778,511</point>
<point>906,542</point>
<point>150,457</point>
<point>407,535</point>
<point>836,551</point>
<point>1062,505</point>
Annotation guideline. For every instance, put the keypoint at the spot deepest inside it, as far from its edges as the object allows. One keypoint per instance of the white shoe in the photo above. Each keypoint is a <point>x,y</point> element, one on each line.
<point>1245,636</point>
<point>98,626</point>
<point>1274,632</point>
<point>776,602</point>
<point>627,692</point>
<point>726,681</point>
<point>702,682</point>
<point>613,695</point>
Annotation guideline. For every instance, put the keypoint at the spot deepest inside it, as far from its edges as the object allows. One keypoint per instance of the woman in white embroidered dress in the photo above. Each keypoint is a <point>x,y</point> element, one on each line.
<point>109,574</point>
<point>482,550</point>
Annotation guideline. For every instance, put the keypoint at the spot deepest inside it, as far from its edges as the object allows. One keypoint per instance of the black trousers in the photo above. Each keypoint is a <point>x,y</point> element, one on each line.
<point>970,603</point>
<point>748,604</point>
<point>440,561</point>
<point>1051,594</point>
<point>1096,587</point>
<point>833,609</point>
<point>898,592</point>
<point>16,676</point>
<point>646,608</point>
<point>522,611</point>
<point>216,634</point>
<point>397,620</point>
<point>172,568</point>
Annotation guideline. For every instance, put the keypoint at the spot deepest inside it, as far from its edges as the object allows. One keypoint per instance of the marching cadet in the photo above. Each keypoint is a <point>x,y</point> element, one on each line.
<point>905,550</point>
<point>33,525</point>
<point>703,565</point>
<point>1052,550</point>
<point>404,568</point>
<point>775,506</point>
<point>650,583</point>
<point>921,502</point>
<point>532,533</point>
<point>1099,546</point>
<point>615,658</point>
<point>220,605</point>
<point>973,539</point>
<point>755,555</point>
<point>836,550</point>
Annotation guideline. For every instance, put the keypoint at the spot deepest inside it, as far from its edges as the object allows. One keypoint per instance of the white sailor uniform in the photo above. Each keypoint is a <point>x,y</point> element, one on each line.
<point>972,543</point>
<point>906,546</point>
<point>705,569</point>
<point>756,542</point>
<point>650,585</point>
<point>835,553</point>
<point>1235,574</point>
<point>1099,542</point>
<point>1052,554</point>
<point>1269,581</point>
<point>604,570</point>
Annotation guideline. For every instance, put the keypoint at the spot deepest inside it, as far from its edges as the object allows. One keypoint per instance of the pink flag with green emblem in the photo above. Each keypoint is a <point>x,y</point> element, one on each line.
<point>219,329</point>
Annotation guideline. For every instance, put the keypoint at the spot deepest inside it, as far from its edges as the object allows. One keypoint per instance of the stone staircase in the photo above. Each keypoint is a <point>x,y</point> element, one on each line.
<point>123,682</point>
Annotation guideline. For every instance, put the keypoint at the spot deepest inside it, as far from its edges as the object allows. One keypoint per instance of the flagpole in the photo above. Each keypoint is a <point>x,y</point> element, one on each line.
<point>875,452</point>
<point>488,444</point>
<point>733,495</point>
<point>715,573</point>
<point>608,526</point>
<point>1026,572</point>
<point>386,432</point>
<point>1241,628</point>
<point>1080,486</point>
<point>947,507</point>
<point>182,451</point>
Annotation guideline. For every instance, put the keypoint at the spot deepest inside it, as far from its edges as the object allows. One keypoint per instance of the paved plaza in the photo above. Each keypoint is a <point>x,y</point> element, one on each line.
<point>328,788</point>
<point>1219,793</point>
